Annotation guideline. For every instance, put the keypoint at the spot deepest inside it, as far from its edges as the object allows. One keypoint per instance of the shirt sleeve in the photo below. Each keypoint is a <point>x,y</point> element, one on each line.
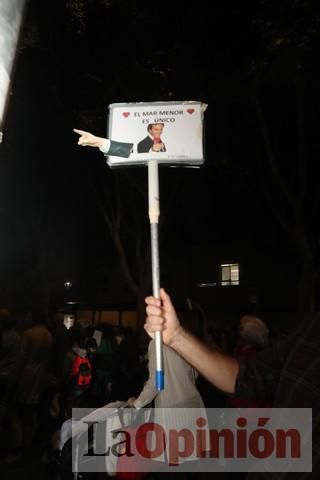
<point>105,147</point>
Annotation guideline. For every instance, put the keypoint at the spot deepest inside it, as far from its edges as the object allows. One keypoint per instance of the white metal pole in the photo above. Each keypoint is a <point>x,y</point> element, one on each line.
<point>154,213</point>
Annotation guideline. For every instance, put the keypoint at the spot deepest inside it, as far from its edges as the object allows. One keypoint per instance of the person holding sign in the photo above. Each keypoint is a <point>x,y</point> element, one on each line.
<point>287,373</point>
<point>152,142</point>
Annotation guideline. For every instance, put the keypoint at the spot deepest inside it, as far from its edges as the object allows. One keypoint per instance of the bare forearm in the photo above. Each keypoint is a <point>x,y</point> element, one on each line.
<point>219,369</point>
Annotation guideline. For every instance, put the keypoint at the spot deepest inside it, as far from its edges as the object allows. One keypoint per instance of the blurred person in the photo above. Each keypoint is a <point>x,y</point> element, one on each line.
<point>62,348</point>
<point>253,335</point>
<point>91,346</point>
<point>81,370</point>
<point>31,382</point>
<point>179,404</point>
<point>125,380</point>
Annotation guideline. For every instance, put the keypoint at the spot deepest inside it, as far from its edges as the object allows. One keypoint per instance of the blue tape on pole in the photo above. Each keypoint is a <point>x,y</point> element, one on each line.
<point>159,379</point>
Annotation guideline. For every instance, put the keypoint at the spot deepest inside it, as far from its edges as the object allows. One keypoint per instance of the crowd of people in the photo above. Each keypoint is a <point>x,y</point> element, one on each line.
<point>46,371</point>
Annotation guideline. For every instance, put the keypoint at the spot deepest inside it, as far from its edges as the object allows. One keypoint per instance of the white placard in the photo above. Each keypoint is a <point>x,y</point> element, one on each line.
<point>176,126</point>
<point>97,335</point>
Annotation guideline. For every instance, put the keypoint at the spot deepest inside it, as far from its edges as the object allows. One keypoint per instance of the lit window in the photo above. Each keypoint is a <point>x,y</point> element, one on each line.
<point>229,274</point>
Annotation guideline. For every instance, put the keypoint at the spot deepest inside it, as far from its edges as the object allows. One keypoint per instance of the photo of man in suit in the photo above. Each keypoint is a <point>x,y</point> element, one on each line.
<point>152,142</point>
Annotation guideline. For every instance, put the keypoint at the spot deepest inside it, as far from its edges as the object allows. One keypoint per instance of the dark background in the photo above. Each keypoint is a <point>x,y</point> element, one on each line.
<point>65,215</point>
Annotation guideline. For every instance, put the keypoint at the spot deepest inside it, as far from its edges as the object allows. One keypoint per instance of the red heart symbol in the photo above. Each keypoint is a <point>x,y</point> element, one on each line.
<point>126,114</point>
<point>190,110</point>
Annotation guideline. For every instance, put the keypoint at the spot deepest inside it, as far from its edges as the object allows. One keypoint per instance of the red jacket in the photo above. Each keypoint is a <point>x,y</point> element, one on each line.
<point>82,371</point>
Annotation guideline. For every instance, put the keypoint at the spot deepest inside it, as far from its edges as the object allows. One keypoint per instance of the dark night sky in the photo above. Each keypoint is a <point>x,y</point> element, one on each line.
<point>77,57</point>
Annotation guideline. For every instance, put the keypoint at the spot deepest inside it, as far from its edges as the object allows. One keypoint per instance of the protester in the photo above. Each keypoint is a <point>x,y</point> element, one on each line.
<point>179,404</point>
<point>287,374</point>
